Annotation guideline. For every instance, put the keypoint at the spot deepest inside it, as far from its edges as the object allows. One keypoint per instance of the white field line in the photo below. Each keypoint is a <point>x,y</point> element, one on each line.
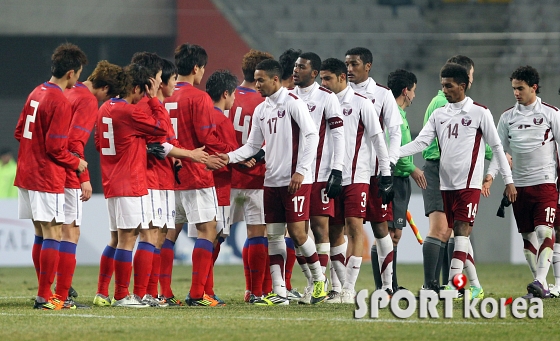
<point>339,320</point>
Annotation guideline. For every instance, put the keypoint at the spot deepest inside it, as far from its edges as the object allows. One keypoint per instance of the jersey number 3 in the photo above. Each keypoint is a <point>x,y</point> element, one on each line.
<point>110,136</point>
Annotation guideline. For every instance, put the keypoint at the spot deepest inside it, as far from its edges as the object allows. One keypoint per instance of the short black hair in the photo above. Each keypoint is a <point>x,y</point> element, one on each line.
<point>187,56</point>
<point>136,75</point>
<point>457,72</point>
<point>219,82</point>
<point>365,54</point>
<point>67,57</point>
<point>528,74</point>
<point>464,61</point>
<point>287,61</point>
<point>400,79</point>
<point>271,67</point>
<point>168,70</point>
<point>149,60</point>
<point>334,65</point>
<point>314,60</point>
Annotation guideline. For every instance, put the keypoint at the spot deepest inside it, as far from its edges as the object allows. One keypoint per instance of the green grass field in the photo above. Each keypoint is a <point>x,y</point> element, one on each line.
<point>241,321</point>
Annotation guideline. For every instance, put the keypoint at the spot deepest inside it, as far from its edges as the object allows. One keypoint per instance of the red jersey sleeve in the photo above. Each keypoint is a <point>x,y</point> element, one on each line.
<point>83,121</point>
<point>151,125</point>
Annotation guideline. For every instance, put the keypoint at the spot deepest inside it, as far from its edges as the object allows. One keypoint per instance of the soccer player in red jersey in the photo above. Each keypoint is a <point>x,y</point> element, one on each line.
<point>102,84</point>
<point>247,184</point>
<point>122,130</point>
<point>283,122</point>
<point>195,196</point>
<point>43,157</point>
<point>221,88</point>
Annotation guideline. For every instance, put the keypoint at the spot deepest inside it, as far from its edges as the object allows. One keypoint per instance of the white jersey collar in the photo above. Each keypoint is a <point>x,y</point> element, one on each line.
<point>530,109</point>
<point>276,97</point>
<point>345,96</point>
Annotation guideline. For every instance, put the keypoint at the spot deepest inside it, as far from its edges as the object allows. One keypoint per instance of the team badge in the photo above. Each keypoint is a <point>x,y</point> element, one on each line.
<point>538,120</point>
<point>466,121</point>
<point>311,107</point>
<point>373,101</point>
<point>281,113</point>
<point>347,112</point>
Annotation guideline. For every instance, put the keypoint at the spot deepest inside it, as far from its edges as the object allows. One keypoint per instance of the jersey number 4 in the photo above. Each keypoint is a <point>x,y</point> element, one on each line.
<point>30,119</point>
<point>242,128</point>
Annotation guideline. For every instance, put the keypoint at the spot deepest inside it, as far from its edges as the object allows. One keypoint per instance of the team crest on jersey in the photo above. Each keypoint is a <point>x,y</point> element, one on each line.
<point>466,121</point>
<point>538,120</point>
<point>311,107</point>
<point>281,113</point>
<point>347,112</point>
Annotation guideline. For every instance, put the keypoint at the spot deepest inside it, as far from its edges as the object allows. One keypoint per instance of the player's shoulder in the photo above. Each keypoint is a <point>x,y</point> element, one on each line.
<point>480,105</point>
<point>549,106</point>
<point>508,110</point>
<point>325,90</point>
<point>382,86</point>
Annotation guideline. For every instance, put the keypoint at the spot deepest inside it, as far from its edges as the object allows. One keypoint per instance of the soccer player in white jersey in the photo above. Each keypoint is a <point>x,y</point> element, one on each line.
<point>358,62</point>
<point>462,126</point>
<point>325,111</point>
<point>362,131</point>
<point>283,122</point>
<point>528,131</point>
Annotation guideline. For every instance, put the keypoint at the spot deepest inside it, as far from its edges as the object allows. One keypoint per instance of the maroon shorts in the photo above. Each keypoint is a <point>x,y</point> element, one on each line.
<point>535,205</point>
<point>283,207</point>
<point>351,203</point>
<point>460,205</point>
<point>320,204</point>
<point>376,211</point>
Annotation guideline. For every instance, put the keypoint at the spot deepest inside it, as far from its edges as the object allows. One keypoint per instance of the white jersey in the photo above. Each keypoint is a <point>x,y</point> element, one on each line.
<point>528,134</point>
<point>327,115</point>
<point>388,112</point>
<point>283,122</point>
<point>363,133</point>
<point>462,129</point>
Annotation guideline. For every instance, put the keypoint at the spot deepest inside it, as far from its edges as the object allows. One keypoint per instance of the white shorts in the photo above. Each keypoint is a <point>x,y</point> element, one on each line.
<point>128,212</point>
<point>247,205</point>
<point>40,206</point>
<point>154,207</point>
<point>168,206</point>
<point>196,206</point>
<point>72,206</point>
<point>222,225</point>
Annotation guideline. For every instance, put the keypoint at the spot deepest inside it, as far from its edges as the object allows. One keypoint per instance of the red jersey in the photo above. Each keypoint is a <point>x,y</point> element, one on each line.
<point>151,174</point>
<point>84,115</point>
<point>191,112</point>
<point>222,176</point>
<point>240,114</point>
<point>42,132</point>
<point>122,129</point>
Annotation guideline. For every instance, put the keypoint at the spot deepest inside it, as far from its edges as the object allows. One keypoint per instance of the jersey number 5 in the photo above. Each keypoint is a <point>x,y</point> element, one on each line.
<point>30,119</point>
<point>170,106</point>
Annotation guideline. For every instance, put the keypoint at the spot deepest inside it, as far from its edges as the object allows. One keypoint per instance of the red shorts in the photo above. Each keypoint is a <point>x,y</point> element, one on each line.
<point>460,205</point>
<point>320,203</point>
<point>376,211</point>
<point>535,205</point>
<point>352,202</point>
<point>283,207</point>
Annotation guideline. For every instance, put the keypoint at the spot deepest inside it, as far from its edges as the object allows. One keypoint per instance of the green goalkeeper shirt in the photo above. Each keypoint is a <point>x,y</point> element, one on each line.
<point>405,165</point>
<point>432,151</point>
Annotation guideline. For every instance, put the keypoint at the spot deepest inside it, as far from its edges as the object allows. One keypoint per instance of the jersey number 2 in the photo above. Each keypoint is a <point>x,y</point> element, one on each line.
<point>30,119</point>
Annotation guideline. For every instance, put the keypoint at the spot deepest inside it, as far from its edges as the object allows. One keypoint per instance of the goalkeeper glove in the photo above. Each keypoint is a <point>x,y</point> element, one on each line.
<point>156,149</point>
<point>334,184</point>
<point>386,192</point>
<point>501,210</point>
<point>176,168</point>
